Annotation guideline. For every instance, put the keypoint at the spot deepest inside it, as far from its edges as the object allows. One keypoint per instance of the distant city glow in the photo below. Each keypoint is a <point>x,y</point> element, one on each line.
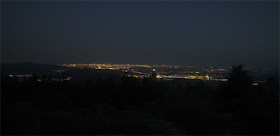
<point>163,71</point>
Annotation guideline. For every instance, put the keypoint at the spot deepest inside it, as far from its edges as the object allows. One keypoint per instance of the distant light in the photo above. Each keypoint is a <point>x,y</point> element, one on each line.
<point>255,84</point>
<point>74,65</point>
<point>154,69</point>
<point>11,75</point>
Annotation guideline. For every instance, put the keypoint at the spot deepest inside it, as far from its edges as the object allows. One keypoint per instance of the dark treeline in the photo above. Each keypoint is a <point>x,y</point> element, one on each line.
<point>140,106</point>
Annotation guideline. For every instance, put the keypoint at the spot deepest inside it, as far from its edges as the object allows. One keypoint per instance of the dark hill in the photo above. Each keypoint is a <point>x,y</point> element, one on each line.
<point>29,68</point>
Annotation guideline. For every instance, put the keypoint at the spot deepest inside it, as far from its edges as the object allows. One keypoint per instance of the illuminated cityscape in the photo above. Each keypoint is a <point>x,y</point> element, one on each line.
<point>170,72</point>
<point>165,72</point>
<point>162,72</point>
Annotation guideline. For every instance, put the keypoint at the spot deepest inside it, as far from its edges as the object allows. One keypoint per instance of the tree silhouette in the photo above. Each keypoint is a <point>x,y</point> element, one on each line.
<point>234,94</point>
<point>239,78</point>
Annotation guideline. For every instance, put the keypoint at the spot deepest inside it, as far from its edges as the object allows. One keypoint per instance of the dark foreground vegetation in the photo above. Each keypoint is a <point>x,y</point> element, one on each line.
<point>140,106</point>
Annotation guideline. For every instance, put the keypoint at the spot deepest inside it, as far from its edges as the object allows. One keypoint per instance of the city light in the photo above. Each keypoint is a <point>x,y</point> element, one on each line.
<point>163,71</point>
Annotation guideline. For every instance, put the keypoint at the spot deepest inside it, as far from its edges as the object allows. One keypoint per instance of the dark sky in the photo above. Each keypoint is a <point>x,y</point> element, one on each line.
<point>141,32</point>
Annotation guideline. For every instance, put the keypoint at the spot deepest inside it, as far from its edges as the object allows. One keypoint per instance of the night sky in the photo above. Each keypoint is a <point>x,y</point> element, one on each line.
<point>141,32</point>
